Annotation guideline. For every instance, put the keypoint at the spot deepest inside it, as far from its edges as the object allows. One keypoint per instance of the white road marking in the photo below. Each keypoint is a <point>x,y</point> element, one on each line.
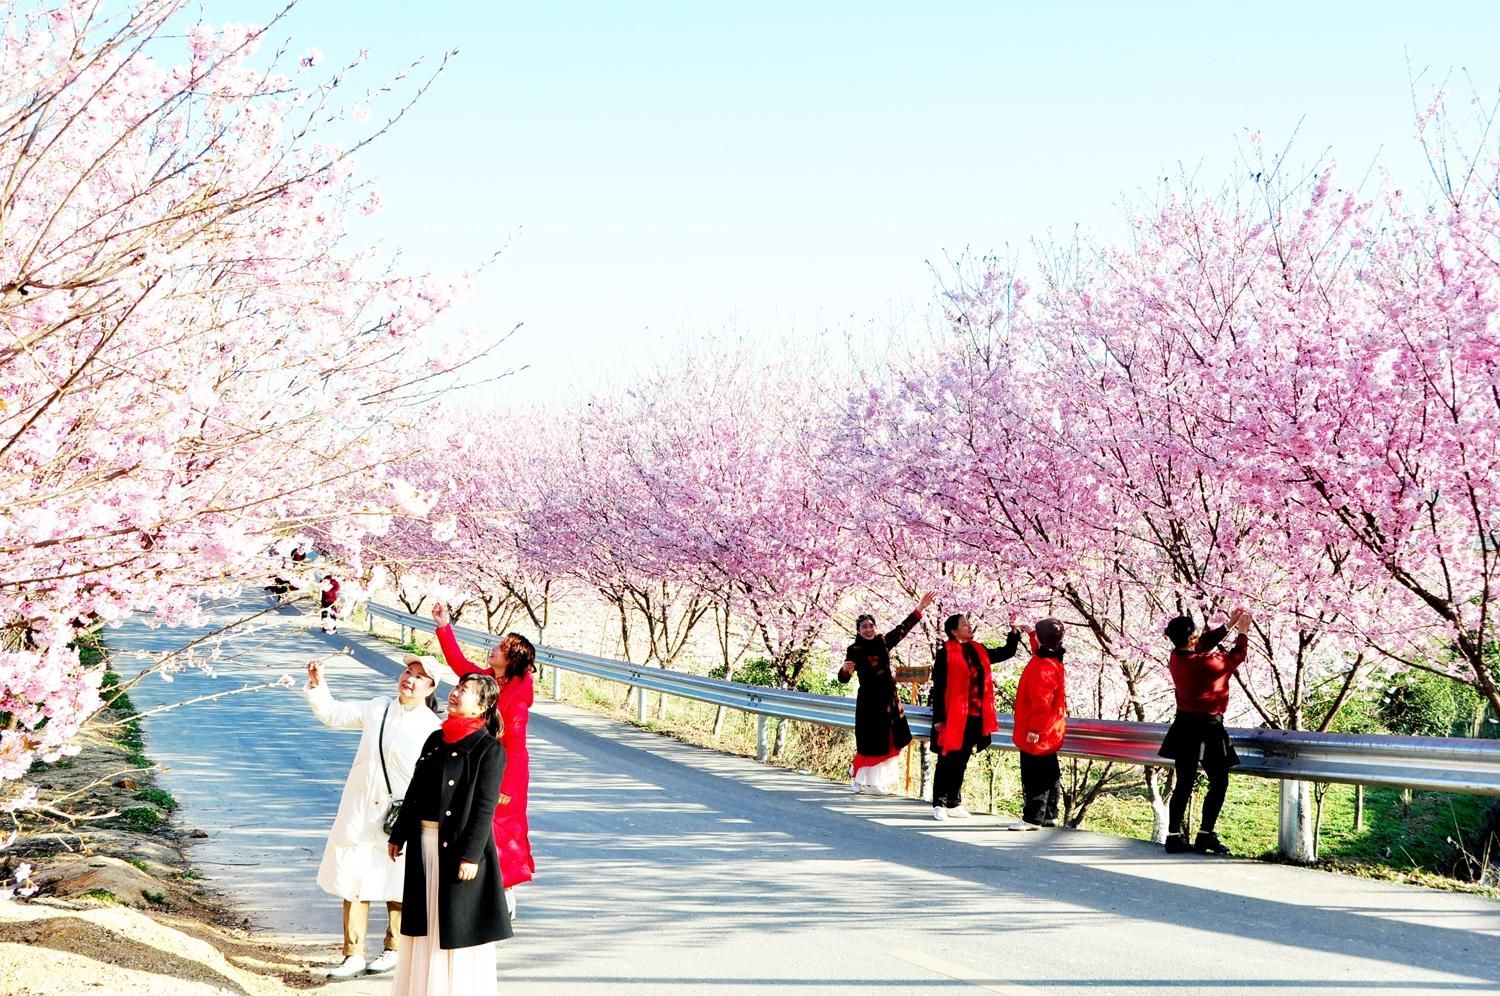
<point>963,973</point>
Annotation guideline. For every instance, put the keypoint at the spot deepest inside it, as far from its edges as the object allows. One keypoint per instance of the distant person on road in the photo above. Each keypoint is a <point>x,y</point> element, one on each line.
<point>963,709</point>
<point>454,902</point>
<point>880,727</point>
<point>355,866</point>
<point>511,664</point>
<point>1200,679</point>
<point>330,603</point>
<point>1041,723</point>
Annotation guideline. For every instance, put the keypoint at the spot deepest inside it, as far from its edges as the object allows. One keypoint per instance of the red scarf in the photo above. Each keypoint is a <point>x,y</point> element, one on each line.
<point>455,728</point>
<point>956,696</point>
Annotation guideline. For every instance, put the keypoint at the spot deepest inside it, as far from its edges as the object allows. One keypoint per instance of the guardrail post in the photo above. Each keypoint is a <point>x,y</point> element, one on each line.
<point>762,738</point>
<point>640,705</point>
<point>922,769</point>
<point>1294,840</point>
<point>556,683</point>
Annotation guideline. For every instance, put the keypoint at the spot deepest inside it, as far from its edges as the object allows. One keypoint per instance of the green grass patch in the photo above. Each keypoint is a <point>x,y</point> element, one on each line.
<point>100,896</point>
<point>111,695</point>
<point>141,819</point>
<point>154,898</point>
<point>157,797</point>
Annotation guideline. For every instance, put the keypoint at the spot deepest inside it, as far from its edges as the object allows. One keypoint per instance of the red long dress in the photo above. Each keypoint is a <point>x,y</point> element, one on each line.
<point>512,835</point>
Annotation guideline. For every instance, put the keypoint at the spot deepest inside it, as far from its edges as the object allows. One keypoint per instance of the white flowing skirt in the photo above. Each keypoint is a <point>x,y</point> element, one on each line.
<point>881,777</point>
<point>425,969</point>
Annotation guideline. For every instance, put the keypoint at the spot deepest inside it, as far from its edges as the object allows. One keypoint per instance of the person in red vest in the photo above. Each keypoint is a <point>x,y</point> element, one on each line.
<point>1041,722</point>
<point>963,709</point>
<point>1200,679</point>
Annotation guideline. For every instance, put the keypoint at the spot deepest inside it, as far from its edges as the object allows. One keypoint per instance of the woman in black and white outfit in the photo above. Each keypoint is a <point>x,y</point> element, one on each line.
<point>454,904</point>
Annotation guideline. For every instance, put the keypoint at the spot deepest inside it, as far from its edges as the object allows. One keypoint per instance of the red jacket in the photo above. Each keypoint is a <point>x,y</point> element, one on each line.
<point>1201,680</point>
<point>1041,705</point>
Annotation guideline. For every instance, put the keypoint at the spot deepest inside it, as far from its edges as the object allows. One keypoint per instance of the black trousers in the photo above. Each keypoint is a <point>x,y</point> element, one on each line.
<point>948,777</point>
<point>1187,773</point>
<point>1041,784</point>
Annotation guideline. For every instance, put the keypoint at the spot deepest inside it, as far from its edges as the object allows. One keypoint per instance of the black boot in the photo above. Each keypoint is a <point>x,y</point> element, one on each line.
<point>1177,844</point>
<point>1209,843</point>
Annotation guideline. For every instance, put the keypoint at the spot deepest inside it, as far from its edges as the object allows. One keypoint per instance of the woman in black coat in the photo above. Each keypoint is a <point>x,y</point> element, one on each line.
<point>880,728</point>
<point>453,903</point>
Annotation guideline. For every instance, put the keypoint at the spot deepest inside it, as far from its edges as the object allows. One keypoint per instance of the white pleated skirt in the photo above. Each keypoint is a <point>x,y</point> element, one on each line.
<point>424,968</point>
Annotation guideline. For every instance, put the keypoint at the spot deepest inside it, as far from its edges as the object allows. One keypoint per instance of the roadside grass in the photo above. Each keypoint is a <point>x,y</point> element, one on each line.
<point>1415,842</point>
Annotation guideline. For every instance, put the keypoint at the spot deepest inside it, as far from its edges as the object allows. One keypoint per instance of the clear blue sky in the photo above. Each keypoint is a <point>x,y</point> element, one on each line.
<point>658,170</point>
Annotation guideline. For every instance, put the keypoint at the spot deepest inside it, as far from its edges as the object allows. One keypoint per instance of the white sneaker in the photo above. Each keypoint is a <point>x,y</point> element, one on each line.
<point>352,968</point>
<point>958,813</point>
<point>856,788</point>
<point>1023,825</point>
<point>877,790</point>
<point>385,962</point>
<point>510,903</point>
<point>940,813</point>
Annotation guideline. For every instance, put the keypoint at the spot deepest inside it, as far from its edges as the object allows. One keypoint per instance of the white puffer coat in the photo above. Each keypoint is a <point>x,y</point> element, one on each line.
<point>355,863</point>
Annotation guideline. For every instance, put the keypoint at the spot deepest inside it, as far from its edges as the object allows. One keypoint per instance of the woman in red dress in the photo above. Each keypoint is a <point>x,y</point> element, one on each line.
<point>510,663</point>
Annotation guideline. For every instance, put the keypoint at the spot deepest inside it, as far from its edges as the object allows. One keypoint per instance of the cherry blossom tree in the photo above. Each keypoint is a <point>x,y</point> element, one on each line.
<point>193,359</point>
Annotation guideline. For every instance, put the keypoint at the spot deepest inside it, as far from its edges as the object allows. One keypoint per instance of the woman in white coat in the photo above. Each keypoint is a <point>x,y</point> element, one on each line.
<point>355,866</point>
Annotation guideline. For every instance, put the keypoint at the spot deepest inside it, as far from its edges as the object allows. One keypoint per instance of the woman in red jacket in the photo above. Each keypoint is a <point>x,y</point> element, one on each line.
<point>1200,679</point>
<point>1041,723</point>
<point>510,663</point>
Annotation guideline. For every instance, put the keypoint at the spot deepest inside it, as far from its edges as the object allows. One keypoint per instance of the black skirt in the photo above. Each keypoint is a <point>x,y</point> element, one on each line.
<point>1199,737</point>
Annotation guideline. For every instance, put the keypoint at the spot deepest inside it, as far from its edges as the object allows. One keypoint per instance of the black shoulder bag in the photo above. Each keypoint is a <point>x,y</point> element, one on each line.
<point>392,815</point>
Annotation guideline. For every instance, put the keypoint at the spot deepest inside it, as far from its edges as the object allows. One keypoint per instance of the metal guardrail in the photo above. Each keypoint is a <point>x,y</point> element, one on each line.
<point>1434,763</point>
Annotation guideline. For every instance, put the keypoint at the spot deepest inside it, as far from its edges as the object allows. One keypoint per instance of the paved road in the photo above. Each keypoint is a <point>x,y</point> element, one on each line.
<point>667,869</point>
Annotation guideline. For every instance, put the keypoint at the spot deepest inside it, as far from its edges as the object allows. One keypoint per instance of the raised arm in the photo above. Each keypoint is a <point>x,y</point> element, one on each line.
<point>330,711</point>
<point>1008,650</point>
<point>460,664</point>
<point>898,634</point>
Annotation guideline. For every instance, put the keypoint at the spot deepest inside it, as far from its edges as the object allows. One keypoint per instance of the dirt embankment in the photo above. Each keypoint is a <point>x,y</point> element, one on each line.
<point>118,908</point>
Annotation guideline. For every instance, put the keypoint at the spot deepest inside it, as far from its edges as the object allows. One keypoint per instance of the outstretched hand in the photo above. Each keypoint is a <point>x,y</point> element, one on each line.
<point>927,600</point>
<point>440,614</point>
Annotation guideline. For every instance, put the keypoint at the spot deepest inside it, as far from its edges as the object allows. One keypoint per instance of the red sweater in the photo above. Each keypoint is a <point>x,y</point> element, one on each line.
<point>1201,680</point>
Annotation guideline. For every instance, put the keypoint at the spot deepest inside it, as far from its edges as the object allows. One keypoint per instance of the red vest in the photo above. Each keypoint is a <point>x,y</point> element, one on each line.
<point>956,696</point>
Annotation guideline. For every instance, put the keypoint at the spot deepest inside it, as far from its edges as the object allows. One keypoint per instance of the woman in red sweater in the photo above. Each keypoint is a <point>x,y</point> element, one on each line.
<point>510,663</point>
<point>1041,723</point>
<point>1200,678</point>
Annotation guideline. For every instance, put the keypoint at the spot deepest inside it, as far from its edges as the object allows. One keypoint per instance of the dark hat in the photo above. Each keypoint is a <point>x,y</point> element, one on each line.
<point>1049,634</point>
<point>1180,630</point>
